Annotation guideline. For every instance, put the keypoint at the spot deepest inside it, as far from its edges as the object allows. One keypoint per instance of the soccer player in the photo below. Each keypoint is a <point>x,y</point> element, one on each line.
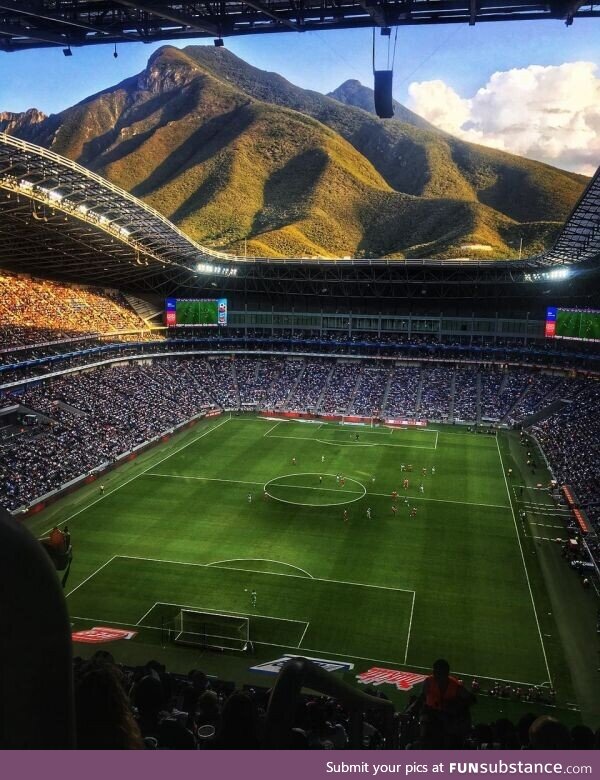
<point>249,498</point>
<point>424,472</point>
<point>421,488</point>
<point>433,471</point>
<point>394,509</point>
<point>368,513</point>
<point>322,458</point>
<point>320,480</point>
<point>372,480</point>
<point>342,481</point>
<point>510,472</point>
<point>253,599</point>
<point>102,489</point>
<point>405,484</point>
<point>413,511</point>
<point>337,478</point>
<point>394,496</point>
<point>265,495</point>
<point>293,461</point>
<point>345,515</point>
<point>357,437</point>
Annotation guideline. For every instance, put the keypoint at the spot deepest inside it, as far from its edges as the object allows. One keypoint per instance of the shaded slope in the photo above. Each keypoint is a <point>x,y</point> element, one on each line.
<point>230,153</point>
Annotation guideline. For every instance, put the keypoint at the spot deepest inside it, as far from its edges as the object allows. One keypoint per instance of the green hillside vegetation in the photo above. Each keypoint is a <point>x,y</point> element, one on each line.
<point>240,158</point>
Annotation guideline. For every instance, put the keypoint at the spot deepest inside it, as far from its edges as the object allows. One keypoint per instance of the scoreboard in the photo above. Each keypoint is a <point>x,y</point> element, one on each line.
<point>195,312</point>
<point>579,324</point>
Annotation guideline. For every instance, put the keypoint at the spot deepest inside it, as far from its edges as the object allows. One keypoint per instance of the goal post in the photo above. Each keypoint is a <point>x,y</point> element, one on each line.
<point>211,629</point>
<point>358,420</point>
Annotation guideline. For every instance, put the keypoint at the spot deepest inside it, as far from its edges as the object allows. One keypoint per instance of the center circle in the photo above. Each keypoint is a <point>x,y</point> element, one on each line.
<point>320,489</point>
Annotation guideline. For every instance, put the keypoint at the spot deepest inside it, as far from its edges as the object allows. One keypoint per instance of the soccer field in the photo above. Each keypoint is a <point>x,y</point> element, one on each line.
<point>451,581</point>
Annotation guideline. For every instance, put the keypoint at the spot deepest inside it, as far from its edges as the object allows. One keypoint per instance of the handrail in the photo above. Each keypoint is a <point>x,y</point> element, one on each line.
<point>299,673</point>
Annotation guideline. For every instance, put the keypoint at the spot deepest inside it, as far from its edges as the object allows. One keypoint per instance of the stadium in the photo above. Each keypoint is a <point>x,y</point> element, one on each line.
<point>307,480</point>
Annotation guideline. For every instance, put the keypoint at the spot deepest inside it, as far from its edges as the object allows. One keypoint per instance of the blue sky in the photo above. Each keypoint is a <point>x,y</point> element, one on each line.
<point>463,56</point>
<point>548,110</point>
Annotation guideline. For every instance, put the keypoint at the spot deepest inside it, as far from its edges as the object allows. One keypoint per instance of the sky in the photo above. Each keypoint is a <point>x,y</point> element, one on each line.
<point>525,87</point>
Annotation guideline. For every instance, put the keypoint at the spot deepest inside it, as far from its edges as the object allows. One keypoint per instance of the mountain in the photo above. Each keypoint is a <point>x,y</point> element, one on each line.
<point>230,152</point>
<point>353,93</point>
<point>21,124</point>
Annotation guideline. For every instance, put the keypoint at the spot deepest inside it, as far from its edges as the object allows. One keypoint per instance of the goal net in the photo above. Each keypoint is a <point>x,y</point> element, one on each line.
<point>210,629</point>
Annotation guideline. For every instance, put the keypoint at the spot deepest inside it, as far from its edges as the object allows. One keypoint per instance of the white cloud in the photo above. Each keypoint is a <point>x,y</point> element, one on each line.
<point>549,113</point>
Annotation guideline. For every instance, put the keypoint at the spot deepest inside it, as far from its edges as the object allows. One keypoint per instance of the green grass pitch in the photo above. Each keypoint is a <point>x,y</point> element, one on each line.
<point>395,589</point>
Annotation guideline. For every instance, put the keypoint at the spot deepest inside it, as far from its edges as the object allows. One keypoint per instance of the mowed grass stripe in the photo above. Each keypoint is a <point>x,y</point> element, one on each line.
<point>462,558</point>
<point>130,586</point>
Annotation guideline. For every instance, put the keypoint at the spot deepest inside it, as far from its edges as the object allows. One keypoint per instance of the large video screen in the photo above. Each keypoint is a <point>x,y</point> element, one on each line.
<point>580,324</point>
<point>195,312</point>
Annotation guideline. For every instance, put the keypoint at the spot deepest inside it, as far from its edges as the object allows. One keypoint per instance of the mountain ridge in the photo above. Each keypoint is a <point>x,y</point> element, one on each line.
<point>234,154</point>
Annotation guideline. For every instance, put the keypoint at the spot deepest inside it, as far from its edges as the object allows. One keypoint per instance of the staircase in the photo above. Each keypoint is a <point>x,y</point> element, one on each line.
<point>514,406</point>
<point>543,414</point>
<point>419,392</point>
<point>325,386</point>
<point>354,392</point>
<point>452,396</point>
<point>71,409</point>
<point>386,392</point>
<point>290,395</point>
<point>235,384</point>
<point>145,310</point>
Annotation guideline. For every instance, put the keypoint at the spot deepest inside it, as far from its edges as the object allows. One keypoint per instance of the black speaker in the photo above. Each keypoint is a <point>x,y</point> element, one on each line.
<point>383,94</point>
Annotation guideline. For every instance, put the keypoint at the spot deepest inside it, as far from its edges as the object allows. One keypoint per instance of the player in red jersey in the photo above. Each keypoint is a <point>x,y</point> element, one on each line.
<point>405,484</point>
<point>394,495</point>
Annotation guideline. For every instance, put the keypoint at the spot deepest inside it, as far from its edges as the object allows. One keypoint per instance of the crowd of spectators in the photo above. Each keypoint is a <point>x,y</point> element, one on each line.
<point>90,418</point>
<point>404,387</point>
<point>307,392</point>
<point>436,393</point>
<point>465,401</point>
<point>147,707</point>
<point>370,392</point>
<point>339,391</point>
<point>29,361</point>
<point>570,439</point>
<point>38,311</point>
<point>541,391</point>
<point>284,383</point>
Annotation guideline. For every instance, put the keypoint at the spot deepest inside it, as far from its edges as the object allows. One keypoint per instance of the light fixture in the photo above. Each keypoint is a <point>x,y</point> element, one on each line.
<point>115,52</point>
<point>67,52</point>
<point>219,42</point>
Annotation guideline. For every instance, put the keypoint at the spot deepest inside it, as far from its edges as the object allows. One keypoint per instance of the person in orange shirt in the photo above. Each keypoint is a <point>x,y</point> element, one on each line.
<point>444,708</point>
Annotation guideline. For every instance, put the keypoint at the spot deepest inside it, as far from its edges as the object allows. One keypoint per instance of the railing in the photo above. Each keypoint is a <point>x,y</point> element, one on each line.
<point>301,673</point>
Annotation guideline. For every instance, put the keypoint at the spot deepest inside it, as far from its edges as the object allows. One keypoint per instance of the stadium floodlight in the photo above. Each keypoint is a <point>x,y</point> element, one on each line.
<point>218,270</point>
<point>559,273</point>
<point>555,275</point>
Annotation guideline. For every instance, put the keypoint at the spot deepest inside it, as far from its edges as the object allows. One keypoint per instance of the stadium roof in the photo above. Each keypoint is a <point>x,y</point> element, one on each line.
<point>579,240</point>
<point>26,24</point>
<point>59,217</point>
<point>60,220</point>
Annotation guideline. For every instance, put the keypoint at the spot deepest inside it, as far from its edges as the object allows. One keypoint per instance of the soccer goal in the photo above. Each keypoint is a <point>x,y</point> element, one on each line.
<point>211,629</point>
